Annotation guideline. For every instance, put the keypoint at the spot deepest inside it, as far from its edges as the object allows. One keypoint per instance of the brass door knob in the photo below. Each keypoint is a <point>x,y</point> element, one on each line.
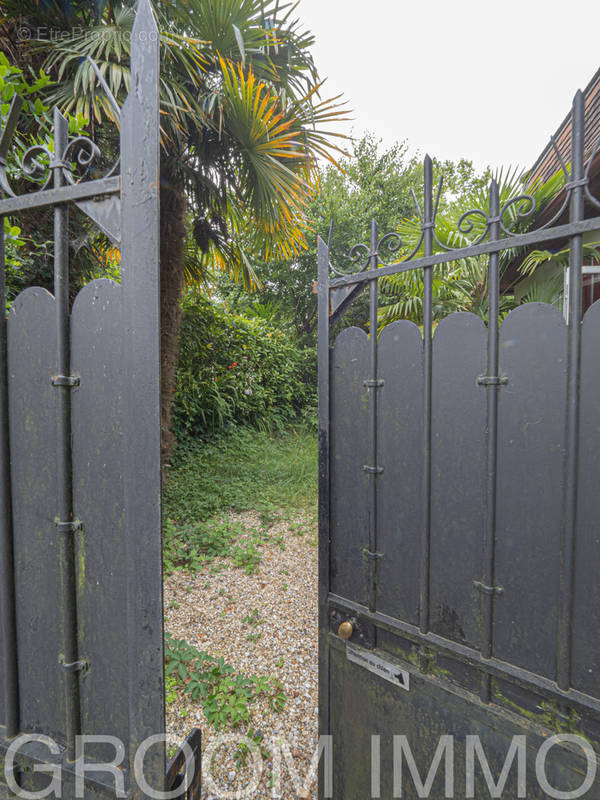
<point>346,630</point>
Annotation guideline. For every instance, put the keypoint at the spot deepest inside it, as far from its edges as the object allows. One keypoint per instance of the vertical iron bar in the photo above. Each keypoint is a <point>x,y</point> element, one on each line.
<point>373,322</point>
<point>324,487</point>
<point>492,388</point>
<point>66,544</point>
<point>573,382</point>
<point>427,368</point>
<point>7,573</point>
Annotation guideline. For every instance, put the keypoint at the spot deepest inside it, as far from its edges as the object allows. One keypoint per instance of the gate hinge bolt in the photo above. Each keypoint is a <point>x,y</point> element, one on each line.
<point>65,380</point>
<point>492,380</point>
<point>73,666</point>
<point>370,554</point>
<point>69,527</point>
<point>374,384</point>
<point>488,589</point>
<point>373,470</point>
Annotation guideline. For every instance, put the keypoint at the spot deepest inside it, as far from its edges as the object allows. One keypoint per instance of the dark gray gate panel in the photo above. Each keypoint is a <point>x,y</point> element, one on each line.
<point>531,441</point>
<point>32,360</point>
<point>349,454</point>
<point>363,707</point>
<point>458,476</point>
<point>585,658</point>
<point>85,442</point>
<point>97,424</point>
<point>400,486</point>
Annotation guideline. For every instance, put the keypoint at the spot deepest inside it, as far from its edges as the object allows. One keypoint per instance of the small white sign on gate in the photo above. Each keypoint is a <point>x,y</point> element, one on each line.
<point>378,666</point>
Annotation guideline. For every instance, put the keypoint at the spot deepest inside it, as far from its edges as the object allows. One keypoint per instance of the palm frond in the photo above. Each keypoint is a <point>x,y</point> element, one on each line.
<point>591,255</point>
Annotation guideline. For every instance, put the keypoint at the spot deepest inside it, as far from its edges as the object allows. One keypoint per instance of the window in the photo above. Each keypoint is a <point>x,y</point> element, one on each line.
<point>590,289</point>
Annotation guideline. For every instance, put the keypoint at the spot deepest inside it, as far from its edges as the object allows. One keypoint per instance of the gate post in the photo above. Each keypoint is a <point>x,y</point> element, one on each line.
<point>324,487</point>
<point>8,626</point>
<point>142,478</point>
<point>576,209</point>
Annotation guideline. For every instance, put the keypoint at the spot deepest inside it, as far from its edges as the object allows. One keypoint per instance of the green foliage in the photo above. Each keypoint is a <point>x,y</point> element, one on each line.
<point>233,369</point>
<point>224,693</point>
<point>243,469</point>
<point>13,81</point>
<point>372,183</point>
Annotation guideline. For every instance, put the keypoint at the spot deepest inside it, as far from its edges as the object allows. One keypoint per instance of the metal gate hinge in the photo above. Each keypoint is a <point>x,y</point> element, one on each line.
<point>73,666</point>
<point>373,470</point>
<point>65,380</point>
<point>69,527</point>
<point>488,589</point>
<point>374,384</point>
<point>492,380</point>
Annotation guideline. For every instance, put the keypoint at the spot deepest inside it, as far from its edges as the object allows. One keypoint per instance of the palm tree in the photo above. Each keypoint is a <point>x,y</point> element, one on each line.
<point>242,125</point>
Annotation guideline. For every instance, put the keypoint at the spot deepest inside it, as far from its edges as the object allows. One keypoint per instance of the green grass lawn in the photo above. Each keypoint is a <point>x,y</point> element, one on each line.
<point>242,470</point>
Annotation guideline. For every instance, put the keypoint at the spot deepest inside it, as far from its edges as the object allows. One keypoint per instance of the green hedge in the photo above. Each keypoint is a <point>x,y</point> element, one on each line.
<point>235,369</point>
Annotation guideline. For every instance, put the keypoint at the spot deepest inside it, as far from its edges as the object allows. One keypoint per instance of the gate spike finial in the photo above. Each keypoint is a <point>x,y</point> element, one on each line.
<point>7,132</point>
<point>100,77</point>
<point>428,163</point>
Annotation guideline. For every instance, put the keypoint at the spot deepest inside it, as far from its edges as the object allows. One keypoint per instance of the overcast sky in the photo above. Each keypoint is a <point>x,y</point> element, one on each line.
<point>487,81</point>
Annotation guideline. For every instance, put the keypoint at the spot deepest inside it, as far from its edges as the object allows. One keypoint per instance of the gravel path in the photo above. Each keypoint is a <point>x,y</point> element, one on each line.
<point>207,611</point>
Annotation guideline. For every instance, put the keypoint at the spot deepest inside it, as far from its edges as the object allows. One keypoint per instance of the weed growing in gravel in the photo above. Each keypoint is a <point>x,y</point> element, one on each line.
<point>253,619</point>
<point>225,695</point>
<point>242,752</point>
<point>170,690</point>
<point>194,547</point>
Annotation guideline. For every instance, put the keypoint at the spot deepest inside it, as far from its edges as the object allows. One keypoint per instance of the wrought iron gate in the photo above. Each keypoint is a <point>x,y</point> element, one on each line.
<point>80,519</point>
<point>460,525</point>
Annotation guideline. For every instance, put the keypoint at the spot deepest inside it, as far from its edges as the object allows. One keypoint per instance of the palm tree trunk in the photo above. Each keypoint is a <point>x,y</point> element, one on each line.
<point>172,249</point>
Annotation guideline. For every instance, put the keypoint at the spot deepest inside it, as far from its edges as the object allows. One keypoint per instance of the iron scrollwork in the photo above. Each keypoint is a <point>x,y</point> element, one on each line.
<point>39,163</point>
<point>390,241</point>
<point>475,225</point>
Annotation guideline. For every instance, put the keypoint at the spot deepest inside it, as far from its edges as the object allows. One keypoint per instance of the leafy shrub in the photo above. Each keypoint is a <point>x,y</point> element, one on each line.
<point>234,369</point>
